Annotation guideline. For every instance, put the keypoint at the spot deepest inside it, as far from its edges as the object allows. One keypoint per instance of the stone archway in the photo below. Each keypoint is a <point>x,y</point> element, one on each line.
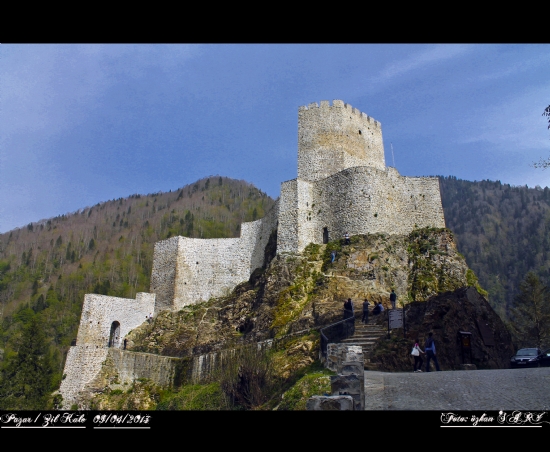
<point>114,335</point>
<point>325,235</point>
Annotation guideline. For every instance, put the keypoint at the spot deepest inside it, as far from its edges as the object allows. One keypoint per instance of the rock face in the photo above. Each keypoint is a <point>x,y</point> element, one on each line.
<point>446,314</point>
<point>302,291</point>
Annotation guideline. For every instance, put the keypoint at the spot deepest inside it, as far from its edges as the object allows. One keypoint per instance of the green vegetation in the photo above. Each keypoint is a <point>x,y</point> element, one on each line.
<point>196,397</point>
<point>503,231</point>
<point>427,277</point>
<point>26,380</point>
<point>47,267</point>
<point>335,246</point>
<point>531,313</point>
<point>316,383</point>
<point>294,298</point>
<point>284,376</point>
<point>143,394</point>
<point>471,279</point>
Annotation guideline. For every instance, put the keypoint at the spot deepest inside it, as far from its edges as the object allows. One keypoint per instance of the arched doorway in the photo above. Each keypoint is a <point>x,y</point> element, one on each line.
<point>325,235</point>
<point>114,336</point>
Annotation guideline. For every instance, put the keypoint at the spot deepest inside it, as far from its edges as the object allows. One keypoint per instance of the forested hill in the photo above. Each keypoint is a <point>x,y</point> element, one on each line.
<point>503,231</point>
<point>48,266</point>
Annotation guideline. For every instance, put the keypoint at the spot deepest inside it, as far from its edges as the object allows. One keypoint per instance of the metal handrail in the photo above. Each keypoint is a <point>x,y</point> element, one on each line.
<point>347,332</point>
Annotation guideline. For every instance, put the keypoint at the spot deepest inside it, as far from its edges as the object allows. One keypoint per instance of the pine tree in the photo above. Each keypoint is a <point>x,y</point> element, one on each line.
<point>531,314</point>
<point>27,376</point>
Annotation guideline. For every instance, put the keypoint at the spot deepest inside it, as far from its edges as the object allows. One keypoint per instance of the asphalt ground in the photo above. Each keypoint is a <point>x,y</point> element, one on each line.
<point>503,389</point>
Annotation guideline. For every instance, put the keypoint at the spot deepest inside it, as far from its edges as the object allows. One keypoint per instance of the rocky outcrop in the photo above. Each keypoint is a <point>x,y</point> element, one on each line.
<point>297,292</point>
<point>445,315</point>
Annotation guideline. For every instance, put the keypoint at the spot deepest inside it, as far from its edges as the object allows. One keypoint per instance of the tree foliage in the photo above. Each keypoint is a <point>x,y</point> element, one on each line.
<point>503,231</point>
<point>26,381</point>
<point>248,378</point>
<point>544,163</point>
<point>530,317</point>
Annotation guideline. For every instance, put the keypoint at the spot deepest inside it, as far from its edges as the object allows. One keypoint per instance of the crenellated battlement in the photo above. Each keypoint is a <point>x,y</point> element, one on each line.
<point>334,137</point>
<point>367,120</point>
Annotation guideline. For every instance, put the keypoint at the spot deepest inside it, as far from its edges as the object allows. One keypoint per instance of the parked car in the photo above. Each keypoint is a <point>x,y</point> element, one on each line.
<point>530,357</point>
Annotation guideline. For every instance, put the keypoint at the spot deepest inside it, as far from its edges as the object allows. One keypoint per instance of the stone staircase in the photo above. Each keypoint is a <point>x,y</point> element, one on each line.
<point>365,336</point>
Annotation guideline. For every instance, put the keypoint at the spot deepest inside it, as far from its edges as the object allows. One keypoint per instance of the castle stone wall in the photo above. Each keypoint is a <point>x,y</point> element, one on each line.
<point>83,363</point>
<point>99,312</point>
<point>187,270</point>
<point>287,232</point>
<point>131,366</point>
<point>334,138</point>
<point>163,273</point>
<point>361,200</point>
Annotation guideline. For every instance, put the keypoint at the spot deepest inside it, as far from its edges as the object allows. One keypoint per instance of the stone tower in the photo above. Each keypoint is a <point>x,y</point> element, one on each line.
<point>334,138</point>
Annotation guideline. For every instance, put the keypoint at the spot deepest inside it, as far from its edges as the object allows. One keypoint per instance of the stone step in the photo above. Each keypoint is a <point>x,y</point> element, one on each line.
<point>369,333</point>
<point>363,340</point>
<point>365,336</point>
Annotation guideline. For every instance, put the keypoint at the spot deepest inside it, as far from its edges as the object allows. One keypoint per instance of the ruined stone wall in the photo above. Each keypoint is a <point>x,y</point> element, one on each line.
<point>99,312</point>
<point>188,271</point>
<point>163,273</point>
<point>361,200</point>
<point>131,366</point>
<point>83,363</point>
<point>287,231</point>
<point>333,138</point>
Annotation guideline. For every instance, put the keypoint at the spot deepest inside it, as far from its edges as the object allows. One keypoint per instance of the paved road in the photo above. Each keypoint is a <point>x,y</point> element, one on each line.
<point>505,389</point>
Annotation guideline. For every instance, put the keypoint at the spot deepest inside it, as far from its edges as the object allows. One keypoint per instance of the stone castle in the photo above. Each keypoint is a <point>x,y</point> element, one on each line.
<point>343,186</point>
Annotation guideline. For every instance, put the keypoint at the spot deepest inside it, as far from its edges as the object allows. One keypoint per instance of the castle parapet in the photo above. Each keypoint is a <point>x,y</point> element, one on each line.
<point>333,138</point>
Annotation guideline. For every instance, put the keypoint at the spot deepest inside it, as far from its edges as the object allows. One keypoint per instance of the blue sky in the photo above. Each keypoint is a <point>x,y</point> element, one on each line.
<point>82,124</point>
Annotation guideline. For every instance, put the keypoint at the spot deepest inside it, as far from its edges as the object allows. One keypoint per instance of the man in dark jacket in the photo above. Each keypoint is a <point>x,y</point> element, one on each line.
<point>429,348</point>
<point>348,309</point>
<point>393,299</point>
<point>365,318</point>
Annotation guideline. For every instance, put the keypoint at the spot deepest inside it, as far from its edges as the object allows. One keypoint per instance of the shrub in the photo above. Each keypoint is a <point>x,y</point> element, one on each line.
<point>247,378</point>
<point>196,397</point>
<point>295,398</point>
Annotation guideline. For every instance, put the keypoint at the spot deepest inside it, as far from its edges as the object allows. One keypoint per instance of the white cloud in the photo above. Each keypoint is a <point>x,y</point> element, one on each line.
<point>419,60</point>
<point>514,124</point>
<point>516,68</point>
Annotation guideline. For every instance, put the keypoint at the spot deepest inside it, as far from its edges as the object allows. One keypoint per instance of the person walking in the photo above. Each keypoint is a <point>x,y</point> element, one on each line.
<point>346,239</point>
<point>365,318</point>
<point>429,347</point>
<point>125,342</point>
<point>417,355</point>
<point>332,257</point>
<point>393,298</point>
<point>348,309</point>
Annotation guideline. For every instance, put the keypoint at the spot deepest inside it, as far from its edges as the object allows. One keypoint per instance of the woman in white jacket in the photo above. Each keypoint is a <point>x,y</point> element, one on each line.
<point>416,353</point>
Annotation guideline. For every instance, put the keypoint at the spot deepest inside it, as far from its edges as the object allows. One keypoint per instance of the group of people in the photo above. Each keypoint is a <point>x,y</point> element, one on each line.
<point>349,310</point>
<point>417,352</point>
<point>429,351</point>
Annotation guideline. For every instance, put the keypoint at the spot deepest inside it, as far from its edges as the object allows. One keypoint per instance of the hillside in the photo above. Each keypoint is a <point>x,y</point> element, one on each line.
<point>48,266</point>
<point>503,232</point>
